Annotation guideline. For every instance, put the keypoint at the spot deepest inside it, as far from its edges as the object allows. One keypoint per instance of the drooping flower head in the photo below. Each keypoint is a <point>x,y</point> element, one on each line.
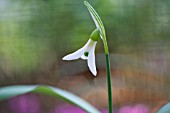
<point>87,52</point>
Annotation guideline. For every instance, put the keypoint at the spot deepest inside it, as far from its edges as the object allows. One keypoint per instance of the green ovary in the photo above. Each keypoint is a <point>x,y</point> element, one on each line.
<point>95,35</point>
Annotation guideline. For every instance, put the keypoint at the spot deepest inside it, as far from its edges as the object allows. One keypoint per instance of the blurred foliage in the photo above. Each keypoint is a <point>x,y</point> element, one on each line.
<point>37,30</point>
<point>36,34</point>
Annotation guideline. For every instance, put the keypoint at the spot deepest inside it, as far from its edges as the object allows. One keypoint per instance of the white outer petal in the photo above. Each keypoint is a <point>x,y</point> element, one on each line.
<point>84,57</point>
<point>77,54</point>
<point>91,60</point>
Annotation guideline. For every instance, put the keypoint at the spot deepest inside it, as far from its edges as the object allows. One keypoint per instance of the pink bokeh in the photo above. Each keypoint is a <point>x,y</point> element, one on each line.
<point>134,109</point>
<point>28,103</point>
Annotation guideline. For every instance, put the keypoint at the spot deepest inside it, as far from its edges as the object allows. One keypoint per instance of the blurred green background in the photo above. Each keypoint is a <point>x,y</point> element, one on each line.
<point>36,34</point>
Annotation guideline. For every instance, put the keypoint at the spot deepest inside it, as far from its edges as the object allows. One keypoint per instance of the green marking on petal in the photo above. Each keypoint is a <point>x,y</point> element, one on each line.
<point>86,54</point>
<point>95,35</point>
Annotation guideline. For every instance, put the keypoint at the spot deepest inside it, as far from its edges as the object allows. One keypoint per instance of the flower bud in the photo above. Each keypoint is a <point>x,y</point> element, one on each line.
<point>95,35</point>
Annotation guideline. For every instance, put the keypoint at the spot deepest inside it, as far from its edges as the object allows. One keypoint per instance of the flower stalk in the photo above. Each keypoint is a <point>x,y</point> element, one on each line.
<point>100,27</point>
<point>109,82</point>
<point>87,52</point>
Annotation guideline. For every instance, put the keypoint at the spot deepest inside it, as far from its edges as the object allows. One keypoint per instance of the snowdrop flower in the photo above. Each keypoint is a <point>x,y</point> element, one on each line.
<point>87,52</point>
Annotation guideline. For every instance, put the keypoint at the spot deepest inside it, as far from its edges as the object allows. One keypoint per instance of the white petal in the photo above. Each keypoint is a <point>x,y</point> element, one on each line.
<point>77,54</point>
<point>84,57</point>
<point>91,60</point>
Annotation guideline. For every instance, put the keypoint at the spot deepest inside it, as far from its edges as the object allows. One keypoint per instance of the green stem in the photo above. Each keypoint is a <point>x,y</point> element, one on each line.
<point>109,80</point>
<point>105,46</point>
<point>109,83</point>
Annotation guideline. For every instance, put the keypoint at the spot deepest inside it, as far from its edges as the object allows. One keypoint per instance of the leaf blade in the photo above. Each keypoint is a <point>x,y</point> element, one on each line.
<point>164,109</point>
<point>97,20</point>
<point>11,91</point>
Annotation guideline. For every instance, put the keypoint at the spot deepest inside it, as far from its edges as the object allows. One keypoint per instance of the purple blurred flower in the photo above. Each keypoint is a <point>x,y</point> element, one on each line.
<point>104,111</point>
<point>67,108</point>
<point>28,103</point>
<point>64,108</point>
<point>126,109</point>
<point>134,109</point>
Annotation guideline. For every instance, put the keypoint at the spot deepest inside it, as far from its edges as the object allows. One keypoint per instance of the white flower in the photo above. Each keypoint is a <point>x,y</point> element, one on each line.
<point>87,52</point>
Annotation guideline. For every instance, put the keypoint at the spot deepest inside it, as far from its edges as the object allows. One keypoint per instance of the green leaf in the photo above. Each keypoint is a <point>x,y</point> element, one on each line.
<point>11,91</point>
<point>98,22</point>
<point>164,109</point>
